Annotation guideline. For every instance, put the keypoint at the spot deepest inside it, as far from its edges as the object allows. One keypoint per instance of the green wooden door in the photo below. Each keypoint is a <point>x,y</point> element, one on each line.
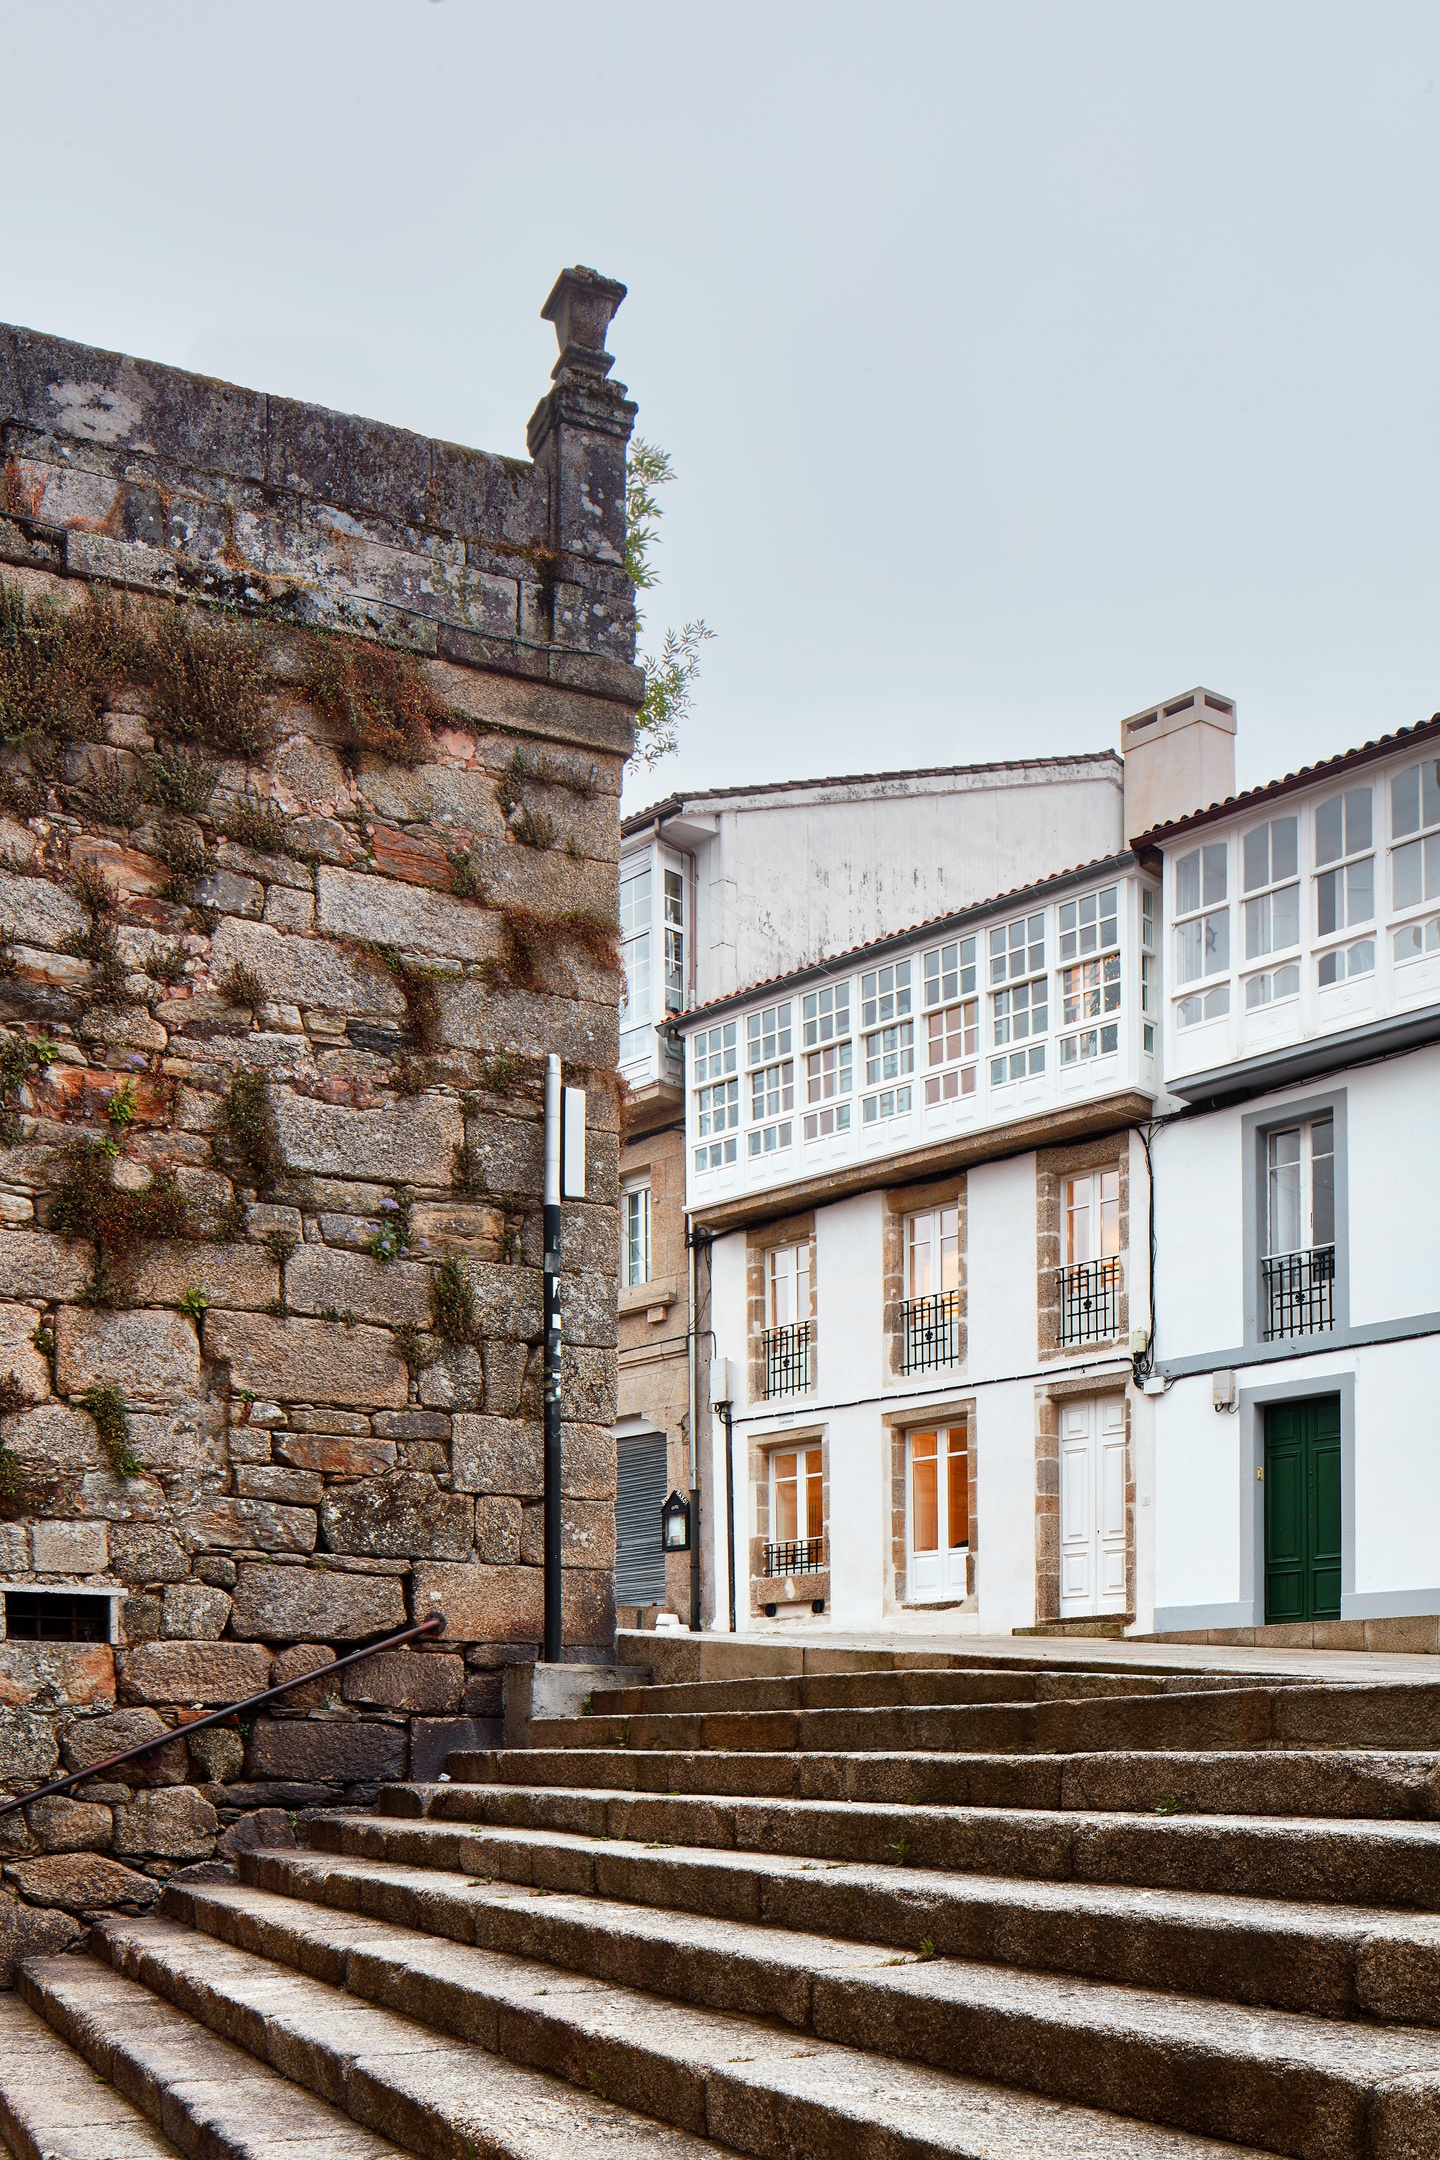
<point>1302,1510</point>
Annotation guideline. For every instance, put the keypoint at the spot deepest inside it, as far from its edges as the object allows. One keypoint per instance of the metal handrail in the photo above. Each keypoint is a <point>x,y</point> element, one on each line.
<point>430,1626</point>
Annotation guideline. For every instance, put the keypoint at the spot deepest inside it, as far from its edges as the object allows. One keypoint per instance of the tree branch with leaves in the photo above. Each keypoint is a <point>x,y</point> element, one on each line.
<point>669,674</point>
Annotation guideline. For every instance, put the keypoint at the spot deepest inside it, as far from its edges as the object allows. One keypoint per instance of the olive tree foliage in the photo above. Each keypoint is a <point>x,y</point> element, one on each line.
<point>669,673</point>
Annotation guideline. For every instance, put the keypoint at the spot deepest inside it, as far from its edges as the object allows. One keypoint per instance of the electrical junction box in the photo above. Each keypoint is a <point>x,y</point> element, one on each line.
<point>572,1145</point>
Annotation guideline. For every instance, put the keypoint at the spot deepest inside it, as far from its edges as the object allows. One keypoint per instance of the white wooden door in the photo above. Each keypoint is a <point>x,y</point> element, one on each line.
<point>938,1515</point>
<point>1092,1506</point>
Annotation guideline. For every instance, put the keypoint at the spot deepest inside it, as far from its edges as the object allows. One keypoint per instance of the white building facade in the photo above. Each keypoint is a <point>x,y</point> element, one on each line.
<point>920,1177</point>
<point>1296,1466</point>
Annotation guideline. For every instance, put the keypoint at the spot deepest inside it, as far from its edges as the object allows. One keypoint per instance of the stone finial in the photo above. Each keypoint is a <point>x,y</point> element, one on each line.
<point>581,306</point>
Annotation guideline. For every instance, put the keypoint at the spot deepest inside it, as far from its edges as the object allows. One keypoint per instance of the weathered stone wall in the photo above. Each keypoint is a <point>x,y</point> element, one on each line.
<point>293,1402</point>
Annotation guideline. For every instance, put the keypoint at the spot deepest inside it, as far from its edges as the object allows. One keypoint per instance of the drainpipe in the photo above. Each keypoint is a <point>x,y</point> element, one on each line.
<point>554,1636</point>
<point>725,1414</point>
<point>694,1455</point>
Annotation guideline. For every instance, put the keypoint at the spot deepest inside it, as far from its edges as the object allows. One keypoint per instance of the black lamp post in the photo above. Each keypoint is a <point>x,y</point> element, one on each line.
<point>675,1523</point>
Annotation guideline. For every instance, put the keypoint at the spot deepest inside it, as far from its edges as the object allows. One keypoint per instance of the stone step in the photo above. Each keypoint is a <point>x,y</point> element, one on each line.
<point>612,1911</point>
<point>1390,1864</point>
<point>54,2107</point>
<point>213,2100</point>
<point>1310,2087</point>
<point>1374,1865</point>
<point>1240,1717</point>
<point>1377,1784</point>
<point>252,2063</point>
<point>698,2080</point>
<point>864,1691</point>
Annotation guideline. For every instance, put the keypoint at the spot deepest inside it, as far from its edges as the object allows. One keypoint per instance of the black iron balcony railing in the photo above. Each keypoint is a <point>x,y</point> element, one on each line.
<point>930,1331</point>
<point>786,1352</point>
<point>801,1556</point>
<point>1299,1292</point>
<point>1089,1301</point>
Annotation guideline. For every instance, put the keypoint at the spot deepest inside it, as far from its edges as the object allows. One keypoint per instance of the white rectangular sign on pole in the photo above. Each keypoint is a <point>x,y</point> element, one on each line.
<point>572,1168</point>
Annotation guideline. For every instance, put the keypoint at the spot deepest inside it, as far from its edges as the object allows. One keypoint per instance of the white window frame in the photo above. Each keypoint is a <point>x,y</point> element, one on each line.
<point>935,1232</point>
<point>1416,844</point>
<point>1088,947</point>
<point>1201,925</point>
<point>1270,908</point>
<point>770,1078</point>
<point>809,1458</point>
<point>1149,966</point>
<point>1092,1198</point>
<point>789,1284</point>
<point>1345,882</point>
<point>637,955</point>
<point>636,1230</point>
<point>1305,1129</point>
<point>715,1084</point>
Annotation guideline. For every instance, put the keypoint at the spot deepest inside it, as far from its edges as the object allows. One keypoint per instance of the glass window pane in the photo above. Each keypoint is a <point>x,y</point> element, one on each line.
<point>1430,791</point>
<point>1217,942</point>
<point>1406,874</point>
<point>1283,1149</point>
<point>958,1490</point>
<point>1357,820</point>
<point>1322,1181</point>
<point>924,1495</point>
<point>1187,883</point>
<point>785,1524</point>
<point>1257,927</point>
<point>1360,890</point>
<point>814,1496</point>
<point>1284,847</point>
<point>1284,918</point>
<point>1257,858</point>
<point>1189,954</point>
<point>1329,831</point>
<point>1327,902</point>
<point>1405,802</point>
<point>1215,856</point>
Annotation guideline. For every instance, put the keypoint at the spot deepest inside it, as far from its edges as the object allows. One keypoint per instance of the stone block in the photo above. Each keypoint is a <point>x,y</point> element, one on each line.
<point>588,1311</point>
<point>508,1373</point>
<point>433,1739</point>
<point>587,1386</point>
<point>18,1354</point>
<point>286,910</point>
<point>195,1612</point>
<point>189,1437</point>
<point>509,1154</point>
<point>497,1530</point>
<point>509,1301</point>
<point>411,1143</point>
<point>466,1226</point>
<point>85,1883</point>
<point>29,1750</point>
<point>269,1481</point>
<point>40,912</point>
<point>148,1356</point>
<point>587,1534</point>
<point>211,1198</point>
<point>30,1931</point>
<point>405,1514</point>
<point>475,1018</point>
<point>455,1381</point>
<point>305,971</point>
<point>79,1675</point>
<point>252,1526</point>
<point>317,1279</point>
<point>87,1741</point>
<point>411,1425</point>
<point>410,917</point>
<point>193,1673</point>
<point>53,1438</point>
<point>218,1753</point>
<point>14,1549</point>
<point>308,1360</point>
<point>587,1459</point>
<point>481,1604</point>
<point>63,1825</point>
<point>241,1277</point>
<point>588,1606</point>
<point>498,1455</point>
<point>331,1753</point>
<point>70,1548</point>
<point>262,1830</point>
<point>142,1619</point>
<point>231,893</point>
<point>173,1825</point>
<point>304,1418</point>
<point>147,1553</point>
<point>407,1680</point>
<point>294,1664</point>
<point>215,1569</point>
<point>335,1455</point>
<point>306,1604</point>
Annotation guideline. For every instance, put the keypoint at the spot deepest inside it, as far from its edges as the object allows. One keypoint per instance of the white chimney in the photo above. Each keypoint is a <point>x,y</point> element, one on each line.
<point>1179,757</point>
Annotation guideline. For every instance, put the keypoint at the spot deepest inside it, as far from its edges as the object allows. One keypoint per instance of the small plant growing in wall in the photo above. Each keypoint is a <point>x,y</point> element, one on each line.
<point>181,850</point>
<point>195,1303</point>
<point>98,944</point>
<point>210,678</point>
<point>413,1347</point>
<point>280,1244</point>
<point>377,696</point>
<point>465,880</point>
<point>117,1222</point>
<point>452,1302</point>
<point>248,1124</point>
<point>258,825</point>
<point>168,964</point>
<point>393,1236</point>
<point>242,986</point>
<point>180,779</point>
<point>20,1060</point>
<point>120,1109</point>
<point>106,1406</point>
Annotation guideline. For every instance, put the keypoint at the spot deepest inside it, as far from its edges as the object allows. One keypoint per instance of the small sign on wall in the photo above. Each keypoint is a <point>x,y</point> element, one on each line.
<point>572,1145</point>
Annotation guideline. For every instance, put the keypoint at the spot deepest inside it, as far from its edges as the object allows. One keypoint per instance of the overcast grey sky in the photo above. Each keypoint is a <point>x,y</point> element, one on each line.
<point>1022,363</point>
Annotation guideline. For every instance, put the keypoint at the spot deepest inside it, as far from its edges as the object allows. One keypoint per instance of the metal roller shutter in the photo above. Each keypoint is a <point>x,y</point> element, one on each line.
<point>641,1493</point>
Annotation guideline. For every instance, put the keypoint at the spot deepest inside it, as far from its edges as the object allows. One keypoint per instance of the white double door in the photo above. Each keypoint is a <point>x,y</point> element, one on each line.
<point>1092,1506</point>
<point>938,1515</point>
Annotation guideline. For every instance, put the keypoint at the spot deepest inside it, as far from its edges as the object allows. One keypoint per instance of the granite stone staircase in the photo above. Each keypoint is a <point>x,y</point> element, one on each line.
<point>887,1910</point>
